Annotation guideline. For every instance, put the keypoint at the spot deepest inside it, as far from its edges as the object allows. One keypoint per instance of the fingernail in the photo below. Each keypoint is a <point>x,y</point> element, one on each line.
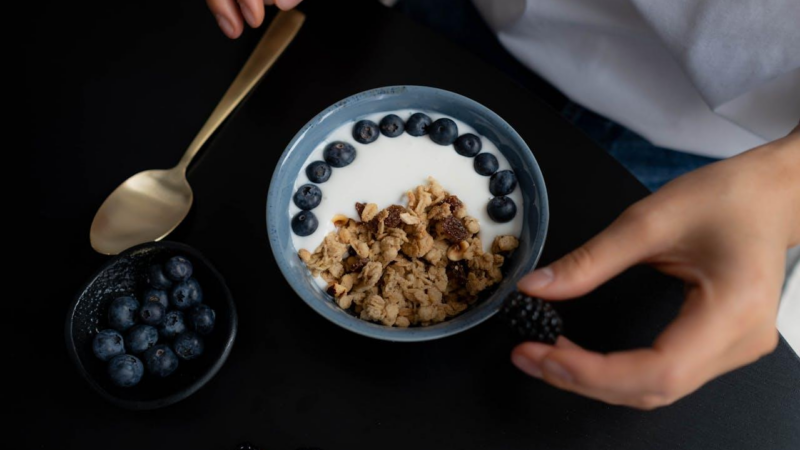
<point>556,370</point>
<point>527,365</point>
<point>537,280</point>
<point>248,15</point>
<point>225,25</point>
<point>287,4</point>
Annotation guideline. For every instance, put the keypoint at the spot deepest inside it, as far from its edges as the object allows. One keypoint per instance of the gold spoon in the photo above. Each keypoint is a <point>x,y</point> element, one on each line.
<point>150,204</point>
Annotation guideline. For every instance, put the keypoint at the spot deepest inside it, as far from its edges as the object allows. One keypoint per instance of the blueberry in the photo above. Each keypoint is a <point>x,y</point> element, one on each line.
<point>392,126</point>
<point>417,124</point>
<point>173,325</point>
<point>108,344</point>
<point>188,345</point>
<point>140,338</point>
<point>339,154</point>
<point>443,131</point>
<point>152,313</point>
<point>156,295</point>
<point>486,164</point>
<point>122,313</point>
<point>502,183</point>
<point>178,268</point>
<point>307,197</point>
<point>304,223</point>
<point>157,279</point>
<point>160,360</point>
<point>468,145</point>
<point>125,370</point>
<point>318,172</point>
<point>501,209</point>
<point>186,294</point>
<point>202,319</point>
<point>365,131</point>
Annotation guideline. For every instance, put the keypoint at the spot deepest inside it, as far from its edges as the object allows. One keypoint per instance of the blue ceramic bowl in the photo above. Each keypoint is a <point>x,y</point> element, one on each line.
<point>487,123</point>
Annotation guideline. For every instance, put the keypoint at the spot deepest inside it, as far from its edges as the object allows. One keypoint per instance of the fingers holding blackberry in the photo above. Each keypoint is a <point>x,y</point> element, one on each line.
<point>644,378</point>
<point>724,230</point>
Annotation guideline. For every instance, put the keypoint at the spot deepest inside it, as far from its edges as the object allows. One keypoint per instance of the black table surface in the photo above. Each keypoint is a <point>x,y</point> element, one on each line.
<point>119,87</point>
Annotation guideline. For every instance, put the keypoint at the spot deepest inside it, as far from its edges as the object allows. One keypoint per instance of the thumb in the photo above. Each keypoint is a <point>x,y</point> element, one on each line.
<point>633,237</point>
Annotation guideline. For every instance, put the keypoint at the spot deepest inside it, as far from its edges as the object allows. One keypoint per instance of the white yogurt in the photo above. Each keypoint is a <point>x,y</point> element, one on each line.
<point>386,169</point>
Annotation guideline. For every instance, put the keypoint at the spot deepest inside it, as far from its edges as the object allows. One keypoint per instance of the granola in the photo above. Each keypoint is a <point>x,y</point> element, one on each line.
<point>415,265</point>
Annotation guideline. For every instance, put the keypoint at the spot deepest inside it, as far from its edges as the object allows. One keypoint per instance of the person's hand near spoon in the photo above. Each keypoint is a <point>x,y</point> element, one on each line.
<point>232,15</point>
<point>725,230</point>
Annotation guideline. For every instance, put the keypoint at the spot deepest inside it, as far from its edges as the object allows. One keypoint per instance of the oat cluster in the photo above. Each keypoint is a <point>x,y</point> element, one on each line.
<point>413,265</point>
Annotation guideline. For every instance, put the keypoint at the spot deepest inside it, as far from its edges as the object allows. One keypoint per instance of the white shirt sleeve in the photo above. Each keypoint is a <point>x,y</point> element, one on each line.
<point>711,77</point>
<point>742,56</point>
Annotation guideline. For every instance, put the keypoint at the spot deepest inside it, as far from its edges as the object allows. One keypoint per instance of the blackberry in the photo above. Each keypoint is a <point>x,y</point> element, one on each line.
<point>532,319</point>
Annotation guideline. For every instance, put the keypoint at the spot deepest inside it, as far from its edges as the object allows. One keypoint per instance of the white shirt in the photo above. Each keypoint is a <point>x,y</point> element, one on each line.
<point>711,77</point>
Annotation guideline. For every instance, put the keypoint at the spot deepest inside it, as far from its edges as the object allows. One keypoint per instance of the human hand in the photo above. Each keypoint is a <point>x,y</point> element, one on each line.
<point>231,14</point>
<point>724,230</point>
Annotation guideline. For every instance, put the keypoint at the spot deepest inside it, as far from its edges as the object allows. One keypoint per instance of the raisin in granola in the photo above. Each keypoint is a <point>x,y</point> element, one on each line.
<point>354,263</point>
<point>452,229</point>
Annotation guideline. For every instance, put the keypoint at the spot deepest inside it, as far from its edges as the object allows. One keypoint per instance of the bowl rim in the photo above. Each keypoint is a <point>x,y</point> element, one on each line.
<point>181,394</point>
<point>378,331</point>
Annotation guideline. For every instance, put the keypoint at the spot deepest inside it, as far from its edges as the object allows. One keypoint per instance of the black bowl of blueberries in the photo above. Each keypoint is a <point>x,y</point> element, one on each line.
<point>152,326</point>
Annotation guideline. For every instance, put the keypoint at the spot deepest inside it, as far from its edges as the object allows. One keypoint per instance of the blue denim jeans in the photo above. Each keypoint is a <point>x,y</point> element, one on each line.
<point>653,166</point>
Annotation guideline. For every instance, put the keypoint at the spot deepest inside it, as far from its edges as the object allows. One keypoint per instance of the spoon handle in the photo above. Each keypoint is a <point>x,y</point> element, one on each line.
<point>275,40</point>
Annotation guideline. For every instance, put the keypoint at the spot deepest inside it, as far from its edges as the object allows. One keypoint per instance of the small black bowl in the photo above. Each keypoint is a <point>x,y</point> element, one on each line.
<point>125,275</point>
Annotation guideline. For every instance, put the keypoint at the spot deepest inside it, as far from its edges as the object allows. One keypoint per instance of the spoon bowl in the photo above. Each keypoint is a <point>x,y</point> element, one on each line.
<point>146,207</point>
